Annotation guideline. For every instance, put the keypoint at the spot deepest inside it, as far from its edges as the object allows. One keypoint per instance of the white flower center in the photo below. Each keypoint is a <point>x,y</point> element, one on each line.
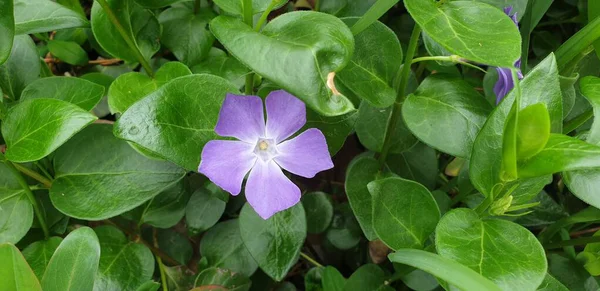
<point>266,149</point>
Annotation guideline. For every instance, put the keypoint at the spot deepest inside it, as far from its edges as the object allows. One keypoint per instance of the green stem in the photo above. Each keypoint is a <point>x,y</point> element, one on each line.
<point>30,196</point>
<point>311,260</point>
<point>573,242</point>
<point>373,14</point>
<point>33,174</point>
<point>43,170</point>
<point>577,43</point>
<point>248,19</point>
<point>265,15</point>
<point>404,73</point>
<point>526,35</point>
<point>161,266</point>
<point>130,42</point>
<point>576,122</point>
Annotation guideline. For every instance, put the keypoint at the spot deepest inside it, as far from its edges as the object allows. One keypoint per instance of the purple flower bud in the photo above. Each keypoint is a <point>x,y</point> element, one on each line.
<point>262,150</point>
<point>505,82</point>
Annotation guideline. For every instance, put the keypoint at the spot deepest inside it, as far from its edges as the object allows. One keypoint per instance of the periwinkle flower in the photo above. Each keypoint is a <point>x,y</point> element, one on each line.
<point>263,149</point>
<point>505,82</point>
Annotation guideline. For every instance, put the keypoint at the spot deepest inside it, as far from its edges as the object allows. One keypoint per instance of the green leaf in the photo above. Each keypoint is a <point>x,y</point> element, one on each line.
<point>7,26</point>
<point>361,171</point>
<point>236,7</point>
<point>205,208</point>
<point>141,27</point>
<point>336,129</point>
<point>74,263</point>
<point>446,113</point>
<point>333,280</point>
<point>533,130</point>
<point>293,55</point>
<point>571,273</point>
<point>132,87</point>
<point>312,281</point>
<point>223,278</point>
<point>590,89</point>
<point>319,211</point>
<point>448,270</point>
<point>15,274</point>
<point>274,243</point>
<point>501,251</point>
<point>371,73</point>
<point>124,265</point>
<point>562,153</point>
<point>541,85</point>
<point>220,64</point>
<point>519,6</point>
<point>85,161</point>
<point>551,284</point>
<point>475,31</point>
<point>222,246</point>
<point>185,33</point>
<point>419,163</point>
<point>149,286</point>
<point>69,52</point>
<point>156,3</point>
<point>344,232</point>
<point>372,124</point>
<point>33,16</point>
<point>78,91</point>
<point>16,216</point>
<point>404,212</point>
<point>34,128</point>
<point>179,131</point>
<point>165,209</point>
<point>367,277</point>
<point>175,245</point>
<point>38,254</point>
<point>21,68</point>
<point>593,12</point>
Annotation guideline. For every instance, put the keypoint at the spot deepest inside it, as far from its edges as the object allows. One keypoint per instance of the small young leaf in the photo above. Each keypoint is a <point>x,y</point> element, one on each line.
<point>38,254</point>
<point>205,208</point>
<point>371,126</point>
<point>69,52</point>
<point>533,130</point>
<point>319,211</point>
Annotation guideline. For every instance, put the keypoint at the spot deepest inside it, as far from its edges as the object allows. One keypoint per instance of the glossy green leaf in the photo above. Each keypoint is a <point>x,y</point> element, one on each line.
<point>571,273</point>
<point>475,31</point>
<point>551,284</point>
<point>78,91</point>
<point>509,144</point>
<point>33,16</point>
<point>448,270</point>
<point>186,33</point>
<point>367,277</point>
<point>533,130</point>
<point>299,62</point>
<point>371,125</point>
<point>38,254</point>
<point>336,129</point>
<point>176,245</point>
<point>140,25</point>
<point>156,3</point>
<point>68,52</point>
<point>165,209</point>
<point>132,87</point>
<point>344,233</point>
<point>361,171</point>
<point>541,85</point>
<point>236,7</point>
<point>274,243</point>
<point>222,278</point>
<point>223,247</point>
<point>34,128</point>
<point>124,264</point>
<point>319,211</point>
<point>205,208</point>
<point>149,286</point>
<point>562,153</point>
<point>15,274</point>
<point>404,212</point>
<point>419,163</point>
<point>7,29</point>
<point>17,213</point>
<point>21,68</point>
<point>74,263</point>
<point>85,161</point>
<point>590,89</point>
<point>332,279</point>
<point>220,64</point>
<point>446,113</point>
<point>179,131</point>
<point>501,251</point>
<point>371,73</point>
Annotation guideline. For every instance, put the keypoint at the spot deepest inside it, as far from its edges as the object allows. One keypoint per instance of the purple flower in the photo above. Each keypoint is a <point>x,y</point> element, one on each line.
<point>262,150</point>
<point>505,81</point>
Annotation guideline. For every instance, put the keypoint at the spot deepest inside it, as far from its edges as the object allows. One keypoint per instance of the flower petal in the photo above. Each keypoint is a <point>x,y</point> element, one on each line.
<point>286,114</point>
<point>305,155</point>
<point>269,191</point>
<point>504,83</point>
<point>241,117</point>
<point>226,163</point>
